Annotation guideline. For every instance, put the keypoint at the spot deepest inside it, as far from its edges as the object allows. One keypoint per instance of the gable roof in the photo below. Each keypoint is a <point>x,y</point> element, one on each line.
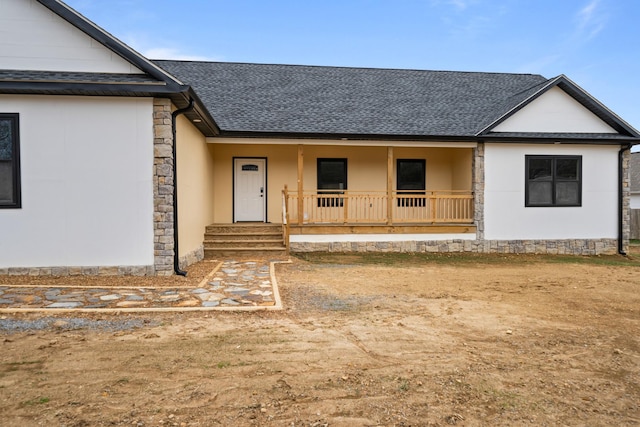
<point>151,81</point>
<point>521,100</point>
<point>311,100</point>
<point>109,41</point>
<point>364,103</point>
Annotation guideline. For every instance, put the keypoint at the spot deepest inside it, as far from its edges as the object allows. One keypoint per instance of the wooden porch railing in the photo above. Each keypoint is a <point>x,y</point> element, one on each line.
<point>372,207</point>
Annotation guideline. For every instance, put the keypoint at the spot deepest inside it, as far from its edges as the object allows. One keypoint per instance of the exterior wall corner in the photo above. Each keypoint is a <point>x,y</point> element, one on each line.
<point>626,200</point>
<point>163,209</point>
<point>478,189</point>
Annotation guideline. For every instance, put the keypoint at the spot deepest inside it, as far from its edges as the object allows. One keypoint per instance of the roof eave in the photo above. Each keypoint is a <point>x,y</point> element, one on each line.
<point>199,116</point>
<point>345,136</point>
<point>554,139</point>
<point>74,88</point>
<point>559,139</point>
<point>179,96</point>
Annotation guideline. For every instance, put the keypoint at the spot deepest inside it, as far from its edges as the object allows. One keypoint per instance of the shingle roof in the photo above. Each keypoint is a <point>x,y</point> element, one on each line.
<point>347,101</point>
<point>635,172</point>
<point>75,77</point>
<point>82,83</point>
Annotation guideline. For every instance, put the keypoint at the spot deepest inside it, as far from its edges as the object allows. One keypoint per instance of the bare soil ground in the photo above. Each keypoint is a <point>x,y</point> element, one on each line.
<point>374,341</point>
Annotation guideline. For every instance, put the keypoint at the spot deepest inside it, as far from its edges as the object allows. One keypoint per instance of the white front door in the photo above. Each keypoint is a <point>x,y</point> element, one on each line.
<point>250,192</point>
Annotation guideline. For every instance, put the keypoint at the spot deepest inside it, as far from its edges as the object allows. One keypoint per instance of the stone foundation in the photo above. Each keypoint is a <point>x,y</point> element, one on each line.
<point>192,257</point>
<point>555,247</point>
<point>128,270</point>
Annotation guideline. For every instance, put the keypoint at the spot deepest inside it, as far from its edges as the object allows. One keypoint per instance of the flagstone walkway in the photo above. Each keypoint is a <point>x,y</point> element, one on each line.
<point>232,285</point>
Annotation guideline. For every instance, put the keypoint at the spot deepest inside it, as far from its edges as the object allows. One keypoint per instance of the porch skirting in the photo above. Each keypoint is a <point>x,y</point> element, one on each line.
<point>555,247</point>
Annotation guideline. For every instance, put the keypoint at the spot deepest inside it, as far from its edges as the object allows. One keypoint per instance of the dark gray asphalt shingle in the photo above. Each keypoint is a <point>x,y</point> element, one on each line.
<point>335,100</point>
<point>74,77</point>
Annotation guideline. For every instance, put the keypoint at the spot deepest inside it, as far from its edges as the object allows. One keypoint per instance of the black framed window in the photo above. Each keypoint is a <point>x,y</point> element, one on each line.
<point>410,179</point>
<point>9,161</point>
<point>553,181</point>
<point>332,179</point>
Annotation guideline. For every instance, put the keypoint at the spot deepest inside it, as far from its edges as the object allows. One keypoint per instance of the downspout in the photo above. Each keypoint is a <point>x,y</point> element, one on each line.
<point>621,199</point>
<point>176,258</point>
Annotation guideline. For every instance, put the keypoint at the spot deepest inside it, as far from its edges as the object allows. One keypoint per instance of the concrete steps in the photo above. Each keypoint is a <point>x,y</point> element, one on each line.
<point>244,239</point>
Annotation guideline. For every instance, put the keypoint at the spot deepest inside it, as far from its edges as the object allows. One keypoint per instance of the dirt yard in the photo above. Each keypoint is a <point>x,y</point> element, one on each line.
<point>384,341</point>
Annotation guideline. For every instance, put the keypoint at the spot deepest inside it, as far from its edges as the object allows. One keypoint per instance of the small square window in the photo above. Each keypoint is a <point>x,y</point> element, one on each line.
<point>9,161</point>
<point>553,181</point>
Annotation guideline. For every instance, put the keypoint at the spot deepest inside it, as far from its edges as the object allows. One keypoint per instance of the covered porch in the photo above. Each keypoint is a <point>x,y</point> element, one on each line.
<point>347,190</point>
<point>405,205</point>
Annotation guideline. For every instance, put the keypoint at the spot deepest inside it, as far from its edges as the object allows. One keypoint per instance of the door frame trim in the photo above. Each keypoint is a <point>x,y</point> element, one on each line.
<point>233,186</point>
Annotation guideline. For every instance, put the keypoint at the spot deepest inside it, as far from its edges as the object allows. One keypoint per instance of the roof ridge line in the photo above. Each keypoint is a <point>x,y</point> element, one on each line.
<point>341,67</point>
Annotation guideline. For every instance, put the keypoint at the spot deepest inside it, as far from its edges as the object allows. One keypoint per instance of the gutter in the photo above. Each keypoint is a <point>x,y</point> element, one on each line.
<point>621,199</point>
<point>176,258</point>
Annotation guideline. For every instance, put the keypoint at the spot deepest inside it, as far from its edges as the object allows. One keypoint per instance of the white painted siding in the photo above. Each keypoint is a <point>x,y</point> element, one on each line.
<point>34,38</point>
<point>87,194</point>
<point>635,201</point>
<point>554,111</point>
<point>506,217</point>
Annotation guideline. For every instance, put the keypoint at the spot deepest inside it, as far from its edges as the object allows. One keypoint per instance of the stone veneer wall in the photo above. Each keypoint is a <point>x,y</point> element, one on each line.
<point>626,200</point>
<point>478,189</point>
<point>563,247</point>
<point>163,244</point>
<point>192,257</point>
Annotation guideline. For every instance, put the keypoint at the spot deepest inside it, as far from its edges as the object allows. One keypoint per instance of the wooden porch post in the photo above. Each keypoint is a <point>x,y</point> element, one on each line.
<point>389,185</point>
<point>300,184</point>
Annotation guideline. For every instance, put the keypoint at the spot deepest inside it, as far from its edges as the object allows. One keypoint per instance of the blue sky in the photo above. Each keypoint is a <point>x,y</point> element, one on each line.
<point>596,43</point>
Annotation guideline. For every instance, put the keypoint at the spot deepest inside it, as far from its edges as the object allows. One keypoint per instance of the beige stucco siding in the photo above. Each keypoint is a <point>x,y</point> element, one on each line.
<point>366,166</point>
<point>461,164</point>
<point>195,186</point>
<point>281,170</point>
<point>447,169</point>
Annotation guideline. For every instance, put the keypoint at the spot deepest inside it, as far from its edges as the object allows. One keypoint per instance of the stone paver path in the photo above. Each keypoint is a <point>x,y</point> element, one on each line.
<point>232,285</point>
